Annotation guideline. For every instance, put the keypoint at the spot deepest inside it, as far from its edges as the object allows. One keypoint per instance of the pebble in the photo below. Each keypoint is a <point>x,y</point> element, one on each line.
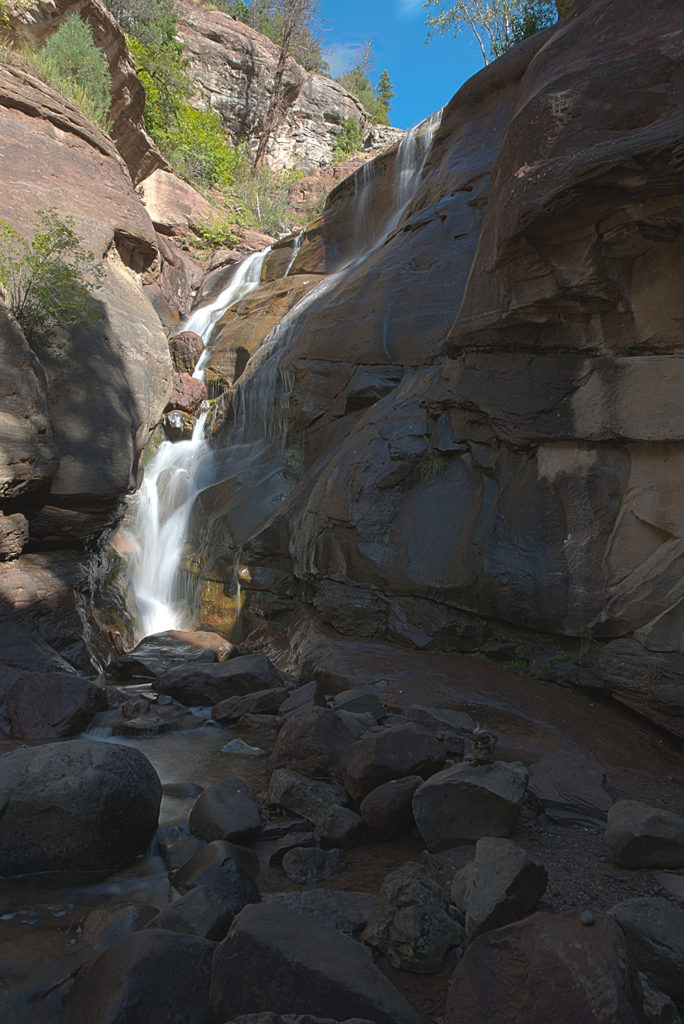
<point>586,917</point>
<point>240,747</point>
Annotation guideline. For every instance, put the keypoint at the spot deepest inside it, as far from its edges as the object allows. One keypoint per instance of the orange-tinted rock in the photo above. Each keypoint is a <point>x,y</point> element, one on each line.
<point>187,395</point>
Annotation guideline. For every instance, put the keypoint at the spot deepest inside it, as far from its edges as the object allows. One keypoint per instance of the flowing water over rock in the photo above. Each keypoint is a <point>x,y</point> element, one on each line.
<point>244,479</point>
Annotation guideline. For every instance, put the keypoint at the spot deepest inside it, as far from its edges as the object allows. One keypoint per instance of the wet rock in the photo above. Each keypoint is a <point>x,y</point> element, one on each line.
<point>347,912</point>
<point>311,969</point>
<point>412,923</point>
<point>144,718</point>
<point>360,700</point>
<point>14,535</point>
<point>309,865</point>
<point>263,702</point>
<point>187,395</point>
<point>225,810</point>
<point>200,912</point>
<point>547,967</point>
<point>387,810</point>
<point>569,788</point>
<point>75,805</point>
<point>229,870</point>
<point>151,975</point>
<point>290,842</point>
<point>468,802</point>
<point>654,929</point>
<point>204,683</point>
<point>639,836</point>
<point>185,349</point>
<point>178,425</point>
<point>182,790</point>
<point>451,727</point>
<point>506,885</point>
<point>158,654</point>
<point>50,706</point>
<point>177,852</point>
<point>242,749</point>
<point>313,742</point>
<point>391,753</point>
<point>105,926</point>
<point>340,827</point>
<point>310,798</point>
<point>304,699</point>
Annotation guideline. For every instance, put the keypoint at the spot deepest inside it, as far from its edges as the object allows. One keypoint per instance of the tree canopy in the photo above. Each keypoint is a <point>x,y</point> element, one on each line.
<point>496,24</point>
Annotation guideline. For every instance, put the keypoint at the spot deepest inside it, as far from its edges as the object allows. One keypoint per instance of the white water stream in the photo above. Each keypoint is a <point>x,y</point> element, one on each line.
<point>252,471</point>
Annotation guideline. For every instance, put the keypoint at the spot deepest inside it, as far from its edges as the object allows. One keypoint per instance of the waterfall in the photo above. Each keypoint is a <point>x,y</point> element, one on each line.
<point>196,482</point>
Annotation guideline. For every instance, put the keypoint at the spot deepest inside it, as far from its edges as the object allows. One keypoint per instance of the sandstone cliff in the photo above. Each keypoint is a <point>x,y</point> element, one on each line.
<point>79,407</point>
<point>489,403</point>
<point>234,65</point>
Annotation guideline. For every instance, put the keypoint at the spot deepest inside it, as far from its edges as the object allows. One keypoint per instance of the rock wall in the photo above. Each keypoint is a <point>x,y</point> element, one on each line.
<point>78,407</point>
<point>234,66</point>
<point>489,404</point>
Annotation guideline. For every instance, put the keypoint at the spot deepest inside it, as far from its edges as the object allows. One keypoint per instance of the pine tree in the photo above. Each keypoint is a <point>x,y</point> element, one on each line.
<point>385,92</point>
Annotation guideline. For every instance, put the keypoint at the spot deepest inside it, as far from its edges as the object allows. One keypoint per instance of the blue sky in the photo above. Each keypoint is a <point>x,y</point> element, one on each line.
<point>424,77</point>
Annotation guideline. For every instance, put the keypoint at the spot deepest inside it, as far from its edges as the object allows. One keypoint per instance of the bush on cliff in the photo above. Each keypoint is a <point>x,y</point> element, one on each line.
<point>71,62</point>
<point>47,279</point>
<point>349,141</point>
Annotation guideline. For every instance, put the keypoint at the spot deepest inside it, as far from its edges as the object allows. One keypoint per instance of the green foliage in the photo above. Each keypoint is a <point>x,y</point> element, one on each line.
<point>496,24</point>
<point>432,464</point>
<point>385,93</point>
<point>153,22</point>
<point>304,45</point>
<point>358,84</point>
<point>71,62</point>
<point>196,146</point>
<point>219,233</point>
<point>47,279</point>
<point>349,141</point>
<point>239,10</point>
<point>263,198</point>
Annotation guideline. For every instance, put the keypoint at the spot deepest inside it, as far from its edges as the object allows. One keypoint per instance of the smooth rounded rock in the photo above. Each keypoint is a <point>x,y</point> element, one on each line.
<point>639,836</point>
<point>225,810</point>
<point>387,754</point>
<point>77,805</point>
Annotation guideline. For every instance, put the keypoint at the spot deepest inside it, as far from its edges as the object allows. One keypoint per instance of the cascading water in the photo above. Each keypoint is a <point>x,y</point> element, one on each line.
<point>245,481</point>
<point>172,481</point>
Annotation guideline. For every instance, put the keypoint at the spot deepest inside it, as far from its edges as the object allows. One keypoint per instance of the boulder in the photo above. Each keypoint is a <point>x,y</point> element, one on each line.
<point>200,912</point>
<point>639,836</point>
<point>308,865</point>
<point>304,699</point>
<point>469,802</point>
<point>309,798</point>
<point>177,852</point>
<point>460,886</point>
<point>549,967</point>
<point>76,805</point>
<point>206,683</point>
<point>14,535</point>
<point>391,753</point>
<point>105,926</point>
<point>187,395</point>
<point>263,702</point>
<point>175,208</point>
<point>311,969</point>
<point>185,349</point>
<point>360,699</point>
<point>387,810</point>
<point>451,727</point>
<point>340,827</point>
<point>569,788</point>
<point>228,870</point>
<point>347,912</point>
<point>412,923</point>
<point>291,841</point>
<point>654,930</point>
<point>151,975</point>
<point>157,654</point>
<point>225,810</point>
<point>51,706</point>
<point>313,742</point>
<point>506,885</point>
<point>178,426</point>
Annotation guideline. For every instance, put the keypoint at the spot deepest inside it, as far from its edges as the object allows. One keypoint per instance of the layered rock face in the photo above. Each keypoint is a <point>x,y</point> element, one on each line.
<point>490,402</point>
<point>78,407</point>
<point>234,67</point>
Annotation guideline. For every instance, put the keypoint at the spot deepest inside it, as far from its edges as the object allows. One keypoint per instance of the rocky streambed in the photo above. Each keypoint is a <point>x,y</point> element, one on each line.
<point>399,837</point>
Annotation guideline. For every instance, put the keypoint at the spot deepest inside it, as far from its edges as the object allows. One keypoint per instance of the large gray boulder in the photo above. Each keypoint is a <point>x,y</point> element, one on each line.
<point>506,885</point>
<point>569,788</point>
<point>77,805</point>
<point>53,705</point>
<point>412,923</point>
<point>229,870</point>
<point>152,975</point>
<point>311,969</point>
<point>654,929</point>
<point>639,836</point>
<point>212,682</point>
<point>310,798</point>
<point>387,754</point>
<point>467,802</point>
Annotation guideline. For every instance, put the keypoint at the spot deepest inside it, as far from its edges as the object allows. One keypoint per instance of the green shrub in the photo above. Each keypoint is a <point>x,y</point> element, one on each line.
<point>358,84</point>
<point>47,279</point>
<point>349,141</point>
<point>219,233</point>
<point>71,62</point>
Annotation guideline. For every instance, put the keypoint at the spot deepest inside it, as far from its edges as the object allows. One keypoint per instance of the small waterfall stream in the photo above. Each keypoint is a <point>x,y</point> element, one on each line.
<point>252,471</point>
